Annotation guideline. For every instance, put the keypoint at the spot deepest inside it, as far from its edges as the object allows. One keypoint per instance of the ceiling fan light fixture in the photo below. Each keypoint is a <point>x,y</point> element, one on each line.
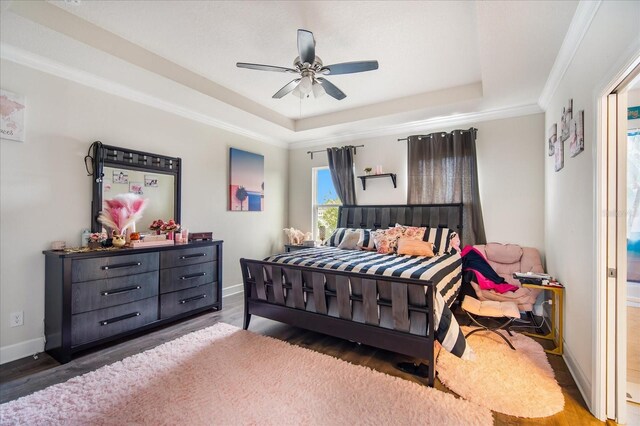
<point>318,90</point>
<point>305,85</point>
<point>297,92</point>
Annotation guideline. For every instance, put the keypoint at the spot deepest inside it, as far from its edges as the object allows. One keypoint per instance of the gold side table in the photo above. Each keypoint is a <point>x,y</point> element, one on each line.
<point>557,310</point>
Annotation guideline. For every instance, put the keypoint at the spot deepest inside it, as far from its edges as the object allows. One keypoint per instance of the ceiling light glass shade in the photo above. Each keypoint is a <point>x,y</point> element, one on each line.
<point>297,92</point>
<point>305,85</point>
<point>318,90</point>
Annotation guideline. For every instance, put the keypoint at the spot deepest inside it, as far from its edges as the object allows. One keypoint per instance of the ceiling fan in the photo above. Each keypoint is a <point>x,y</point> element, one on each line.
<point>310,68</point>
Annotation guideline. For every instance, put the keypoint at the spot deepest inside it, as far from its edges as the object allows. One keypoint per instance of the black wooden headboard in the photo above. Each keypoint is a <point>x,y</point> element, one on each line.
<point>426,215</point>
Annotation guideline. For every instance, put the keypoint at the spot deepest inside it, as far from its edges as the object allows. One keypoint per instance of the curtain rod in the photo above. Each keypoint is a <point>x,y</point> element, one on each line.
<point>324,150</point>
<point>429,135</point>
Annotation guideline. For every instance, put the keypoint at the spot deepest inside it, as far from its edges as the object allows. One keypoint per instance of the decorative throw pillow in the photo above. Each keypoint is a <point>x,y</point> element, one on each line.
<point>410,247</point>
<point>366,240</point>
<point>386,241</point>
<point>454,242</point>
<point>336,238</point>
<point>350,240</point>
<point>441,239</point>
<point>415,232</point>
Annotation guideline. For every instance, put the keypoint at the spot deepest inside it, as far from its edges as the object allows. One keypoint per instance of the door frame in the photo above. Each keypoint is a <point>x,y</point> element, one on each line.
<point>609,391</point>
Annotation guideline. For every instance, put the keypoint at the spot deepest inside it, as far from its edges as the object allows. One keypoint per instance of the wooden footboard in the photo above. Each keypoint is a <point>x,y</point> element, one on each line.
<point>390,313</point>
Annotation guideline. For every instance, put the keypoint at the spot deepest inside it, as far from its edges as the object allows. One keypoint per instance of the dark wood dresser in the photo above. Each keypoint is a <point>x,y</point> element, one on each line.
<point>95,297</point>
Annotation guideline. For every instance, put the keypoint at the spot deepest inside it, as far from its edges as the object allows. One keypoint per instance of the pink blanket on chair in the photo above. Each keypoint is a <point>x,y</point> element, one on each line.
<point>473,260</point>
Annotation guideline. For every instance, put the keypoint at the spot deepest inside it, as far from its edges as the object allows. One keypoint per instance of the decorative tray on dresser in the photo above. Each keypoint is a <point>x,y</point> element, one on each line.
<point>98,296</point>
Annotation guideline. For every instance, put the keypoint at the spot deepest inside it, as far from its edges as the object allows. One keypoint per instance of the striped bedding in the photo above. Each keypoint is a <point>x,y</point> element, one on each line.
<point>445,271</point>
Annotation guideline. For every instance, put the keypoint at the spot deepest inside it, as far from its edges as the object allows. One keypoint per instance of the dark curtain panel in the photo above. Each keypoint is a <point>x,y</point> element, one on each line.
<point>341,167</point>
<point>443,169</point>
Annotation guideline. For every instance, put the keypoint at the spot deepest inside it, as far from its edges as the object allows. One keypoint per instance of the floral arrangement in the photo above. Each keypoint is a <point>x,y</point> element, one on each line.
<point>170,226</point>
<point>156,225</point>
<point>122,212</point>
<point>97,237</point>
<point>160,225</point>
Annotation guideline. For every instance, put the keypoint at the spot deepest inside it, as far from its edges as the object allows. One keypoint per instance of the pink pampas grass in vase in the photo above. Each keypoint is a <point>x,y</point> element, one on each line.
<point>122,212</point>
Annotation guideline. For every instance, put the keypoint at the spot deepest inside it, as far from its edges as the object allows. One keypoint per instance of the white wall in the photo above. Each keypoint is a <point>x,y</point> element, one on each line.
<point>510,168</point>
<point>46,195</point>
<point>570,220</point>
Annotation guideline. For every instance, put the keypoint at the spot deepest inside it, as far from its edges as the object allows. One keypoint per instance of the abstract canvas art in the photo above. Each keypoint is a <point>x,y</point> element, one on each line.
<point>246,181</point>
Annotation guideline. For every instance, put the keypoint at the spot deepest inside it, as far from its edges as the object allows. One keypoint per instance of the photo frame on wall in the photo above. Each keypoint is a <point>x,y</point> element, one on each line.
<point>151,181</point>
<point>135,188</point>
<point>576,134</point>
<point>559,155</point>
<point>567,115</point>
<point>551,139</point>
<point>246,181</point>
<point>120,176</point>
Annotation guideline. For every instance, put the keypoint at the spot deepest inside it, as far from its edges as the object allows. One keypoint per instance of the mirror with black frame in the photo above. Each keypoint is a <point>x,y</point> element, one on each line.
<point>119,170</point>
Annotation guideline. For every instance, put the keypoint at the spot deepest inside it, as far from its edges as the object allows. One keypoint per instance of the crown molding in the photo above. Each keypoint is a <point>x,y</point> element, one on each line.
<point>582,18</point>
<point>430,124</point>
<point>49,66</point>
<point>70,25</point>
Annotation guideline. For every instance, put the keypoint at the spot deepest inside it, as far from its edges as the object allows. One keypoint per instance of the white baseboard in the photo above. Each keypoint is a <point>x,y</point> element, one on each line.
<point>582,380</point>
<point>20,350</point>
<point>233,289</point>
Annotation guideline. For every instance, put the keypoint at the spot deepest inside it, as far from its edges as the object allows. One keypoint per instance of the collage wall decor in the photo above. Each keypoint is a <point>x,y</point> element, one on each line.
<point>571,131</point>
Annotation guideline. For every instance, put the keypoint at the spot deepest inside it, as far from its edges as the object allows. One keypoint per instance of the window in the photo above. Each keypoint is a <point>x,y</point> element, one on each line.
<point>325,203</point>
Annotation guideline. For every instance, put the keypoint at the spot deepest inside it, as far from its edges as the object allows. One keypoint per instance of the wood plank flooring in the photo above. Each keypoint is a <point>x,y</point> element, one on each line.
<point>25,376</point>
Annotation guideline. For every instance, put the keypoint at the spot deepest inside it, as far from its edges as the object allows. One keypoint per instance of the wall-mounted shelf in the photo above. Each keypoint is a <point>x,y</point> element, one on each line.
<point>363,179</point>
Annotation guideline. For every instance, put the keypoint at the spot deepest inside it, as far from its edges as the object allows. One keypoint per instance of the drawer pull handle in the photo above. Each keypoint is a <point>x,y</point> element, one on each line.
<point>188,277</point>
<point>120,318</point>
<point>121,265</point>
<point>120,290</point>
<point>189,256</point>
<point>191,299</point>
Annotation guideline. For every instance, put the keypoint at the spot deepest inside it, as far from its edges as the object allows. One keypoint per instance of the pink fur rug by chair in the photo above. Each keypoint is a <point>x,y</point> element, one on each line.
<point>224,375</point>
<point>518,383</point>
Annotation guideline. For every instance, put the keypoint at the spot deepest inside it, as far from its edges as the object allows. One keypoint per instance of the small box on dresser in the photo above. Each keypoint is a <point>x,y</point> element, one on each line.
<point>98,296</point>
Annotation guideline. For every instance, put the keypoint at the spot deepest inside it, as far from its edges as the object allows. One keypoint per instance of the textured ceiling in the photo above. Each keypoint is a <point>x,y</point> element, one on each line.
<point>437,59</point>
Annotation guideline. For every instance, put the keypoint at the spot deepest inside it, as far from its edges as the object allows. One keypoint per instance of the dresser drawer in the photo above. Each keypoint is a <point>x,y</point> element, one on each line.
<point>187,256</point>
<point>101,268</point>
<point>185,277</point>
<point>107,322</point>
<point>178,302</point>
<point>98,294</point>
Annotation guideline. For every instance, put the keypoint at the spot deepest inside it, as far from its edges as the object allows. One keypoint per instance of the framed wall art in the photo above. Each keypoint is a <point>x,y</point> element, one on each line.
<point>567,115</point>
<point>559,154</point>
<point>551,139</point>
<point>12,107</point>
<point>576,134</point>
<point>246,181</point>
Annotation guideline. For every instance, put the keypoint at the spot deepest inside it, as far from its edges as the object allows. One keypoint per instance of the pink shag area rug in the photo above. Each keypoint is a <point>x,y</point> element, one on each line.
<point>518,383</point>
<point>224,375</point>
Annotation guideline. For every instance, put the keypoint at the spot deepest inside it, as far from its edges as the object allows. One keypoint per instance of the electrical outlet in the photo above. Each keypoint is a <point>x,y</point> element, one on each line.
<point>16,319</point>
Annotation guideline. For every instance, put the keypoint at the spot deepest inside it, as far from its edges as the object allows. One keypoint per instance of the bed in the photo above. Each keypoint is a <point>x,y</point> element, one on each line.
<point>392,302</point>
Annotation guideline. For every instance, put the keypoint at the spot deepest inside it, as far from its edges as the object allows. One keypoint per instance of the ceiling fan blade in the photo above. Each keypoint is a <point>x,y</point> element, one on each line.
<point>306,46</point>
<point>349,67</point>
<point>265,67</point>
<point>286,89</point>
<point>331,90</point>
